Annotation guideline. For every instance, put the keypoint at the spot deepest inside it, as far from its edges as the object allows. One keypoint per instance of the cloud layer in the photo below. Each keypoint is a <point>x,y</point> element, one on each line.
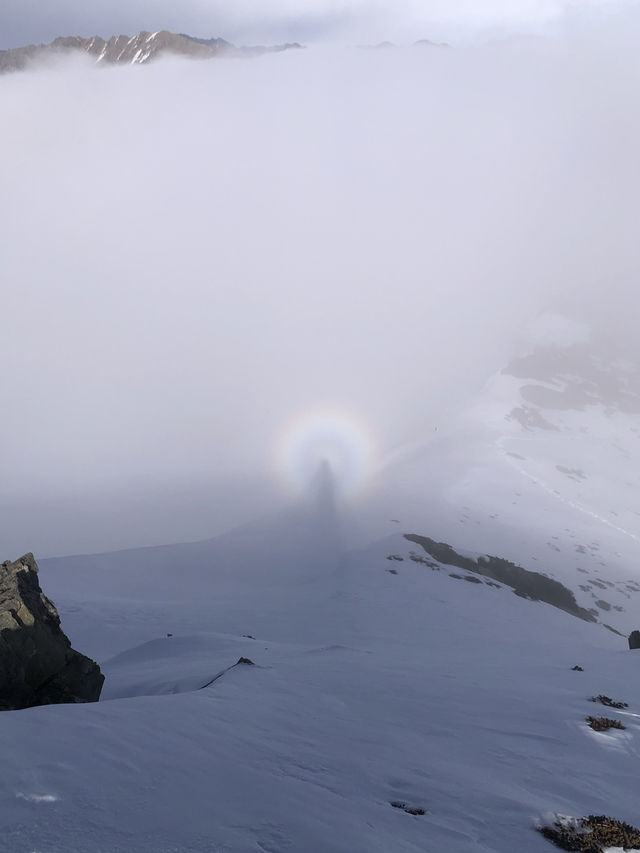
<point>196,253</point>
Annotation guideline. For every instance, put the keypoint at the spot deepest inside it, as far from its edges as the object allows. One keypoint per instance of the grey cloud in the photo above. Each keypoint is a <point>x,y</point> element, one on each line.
<point>25,21</point>
<point>30,21</point>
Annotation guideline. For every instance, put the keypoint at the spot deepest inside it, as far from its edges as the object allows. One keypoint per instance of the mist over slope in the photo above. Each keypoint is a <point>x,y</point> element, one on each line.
<point>196,254</point>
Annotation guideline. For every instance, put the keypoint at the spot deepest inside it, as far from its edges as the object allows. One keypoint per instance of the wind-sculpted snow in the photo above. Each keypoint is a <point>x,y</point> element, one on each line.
<point>374,698</point>
<point>172,664</point>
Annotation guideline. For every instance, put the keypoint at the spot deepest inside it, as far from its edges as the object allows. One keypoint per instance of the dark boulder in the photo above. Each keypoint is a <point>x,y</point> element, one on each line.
<point>634,640</point>
<point>37,664</point>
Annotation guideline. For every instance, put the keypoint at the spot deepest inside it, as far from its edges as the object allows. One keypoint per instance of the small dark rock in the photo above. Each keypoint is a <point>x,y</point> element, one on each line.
<point>392,571</point>
<point>593,834</point>
<point>245,660</point>
<point>634,640</point>
<point>606,700</point>
<point>413,810</point>
<point>603,724</point>
<point>577,668</point>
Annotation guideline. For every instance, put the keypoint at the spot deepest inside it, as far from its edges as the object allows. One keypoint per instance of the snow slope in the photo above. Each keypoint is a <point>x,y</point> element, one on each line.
<point>541,468</point>
<point>367,687</point>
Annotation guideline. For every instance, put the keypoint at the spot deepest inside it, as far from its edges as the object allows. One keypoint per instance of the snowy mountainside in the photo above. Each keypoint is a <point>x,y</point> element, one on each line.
<point>542,469</point>
<point>374,681</point>
<point>399,695</point>
<point>298,541</point>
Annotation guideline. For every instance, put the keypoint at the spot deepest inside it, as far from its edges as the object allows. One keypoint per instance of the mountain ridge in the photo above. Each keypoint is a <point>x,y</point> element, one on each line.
<point>132,50</point>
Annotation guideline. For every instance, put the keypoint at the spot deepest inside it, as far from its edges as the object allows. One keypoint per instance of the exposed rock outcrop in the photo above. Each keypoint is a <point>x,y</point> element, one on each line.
<point>37,664</point>
<point>634,640</point>
<point>524,583</point>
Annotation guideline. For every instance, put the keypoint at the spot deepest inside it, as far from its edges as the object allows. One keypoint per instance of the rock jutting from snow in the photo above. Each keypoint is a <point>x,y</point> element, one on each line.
<point>634,640</point>
<point>525,583</point>
<point>37,664</point>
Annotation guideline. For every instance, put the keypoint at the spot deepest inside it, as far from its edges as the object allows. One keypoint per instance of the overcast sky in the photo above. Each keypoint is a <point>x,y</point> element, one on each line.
<point>196,254</point>
<point>35,21</point>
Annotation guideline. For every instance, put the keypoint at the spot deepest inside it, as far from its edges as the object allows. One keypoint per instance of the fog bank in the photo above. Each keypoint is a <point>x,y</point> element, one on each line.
<point>197,253</point>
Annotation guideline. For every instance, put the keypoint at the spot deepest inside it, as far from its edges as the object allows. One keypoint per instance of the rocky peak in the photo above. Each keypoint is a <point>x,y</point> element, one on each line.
<point>37,664</point>
<point>131,50</point>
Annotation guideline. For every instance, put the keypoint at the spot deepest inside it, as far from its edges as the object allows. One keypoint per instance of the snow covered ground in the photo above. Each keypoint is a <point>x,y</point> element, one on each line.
<point>379,687</point>
<point>368,687</point>
<point>540,468</point>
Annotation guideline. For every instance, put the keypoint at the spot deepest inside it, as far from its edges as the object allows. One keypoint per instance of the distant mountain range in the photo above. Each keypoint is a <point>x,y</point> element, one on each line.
<point>383,45</point>
<point>129,50</point>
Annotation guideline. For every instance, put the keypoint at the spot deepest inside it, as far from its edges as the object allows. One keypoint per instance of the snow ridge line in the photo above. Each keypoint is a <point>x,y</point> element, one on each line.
<point>243,661</point>
<point>567,501</point>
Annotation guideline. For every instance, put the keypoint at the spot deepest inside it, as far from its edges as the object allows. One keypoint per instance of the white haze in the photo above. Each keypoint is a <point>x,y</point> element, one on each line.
<point>194,253</point>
